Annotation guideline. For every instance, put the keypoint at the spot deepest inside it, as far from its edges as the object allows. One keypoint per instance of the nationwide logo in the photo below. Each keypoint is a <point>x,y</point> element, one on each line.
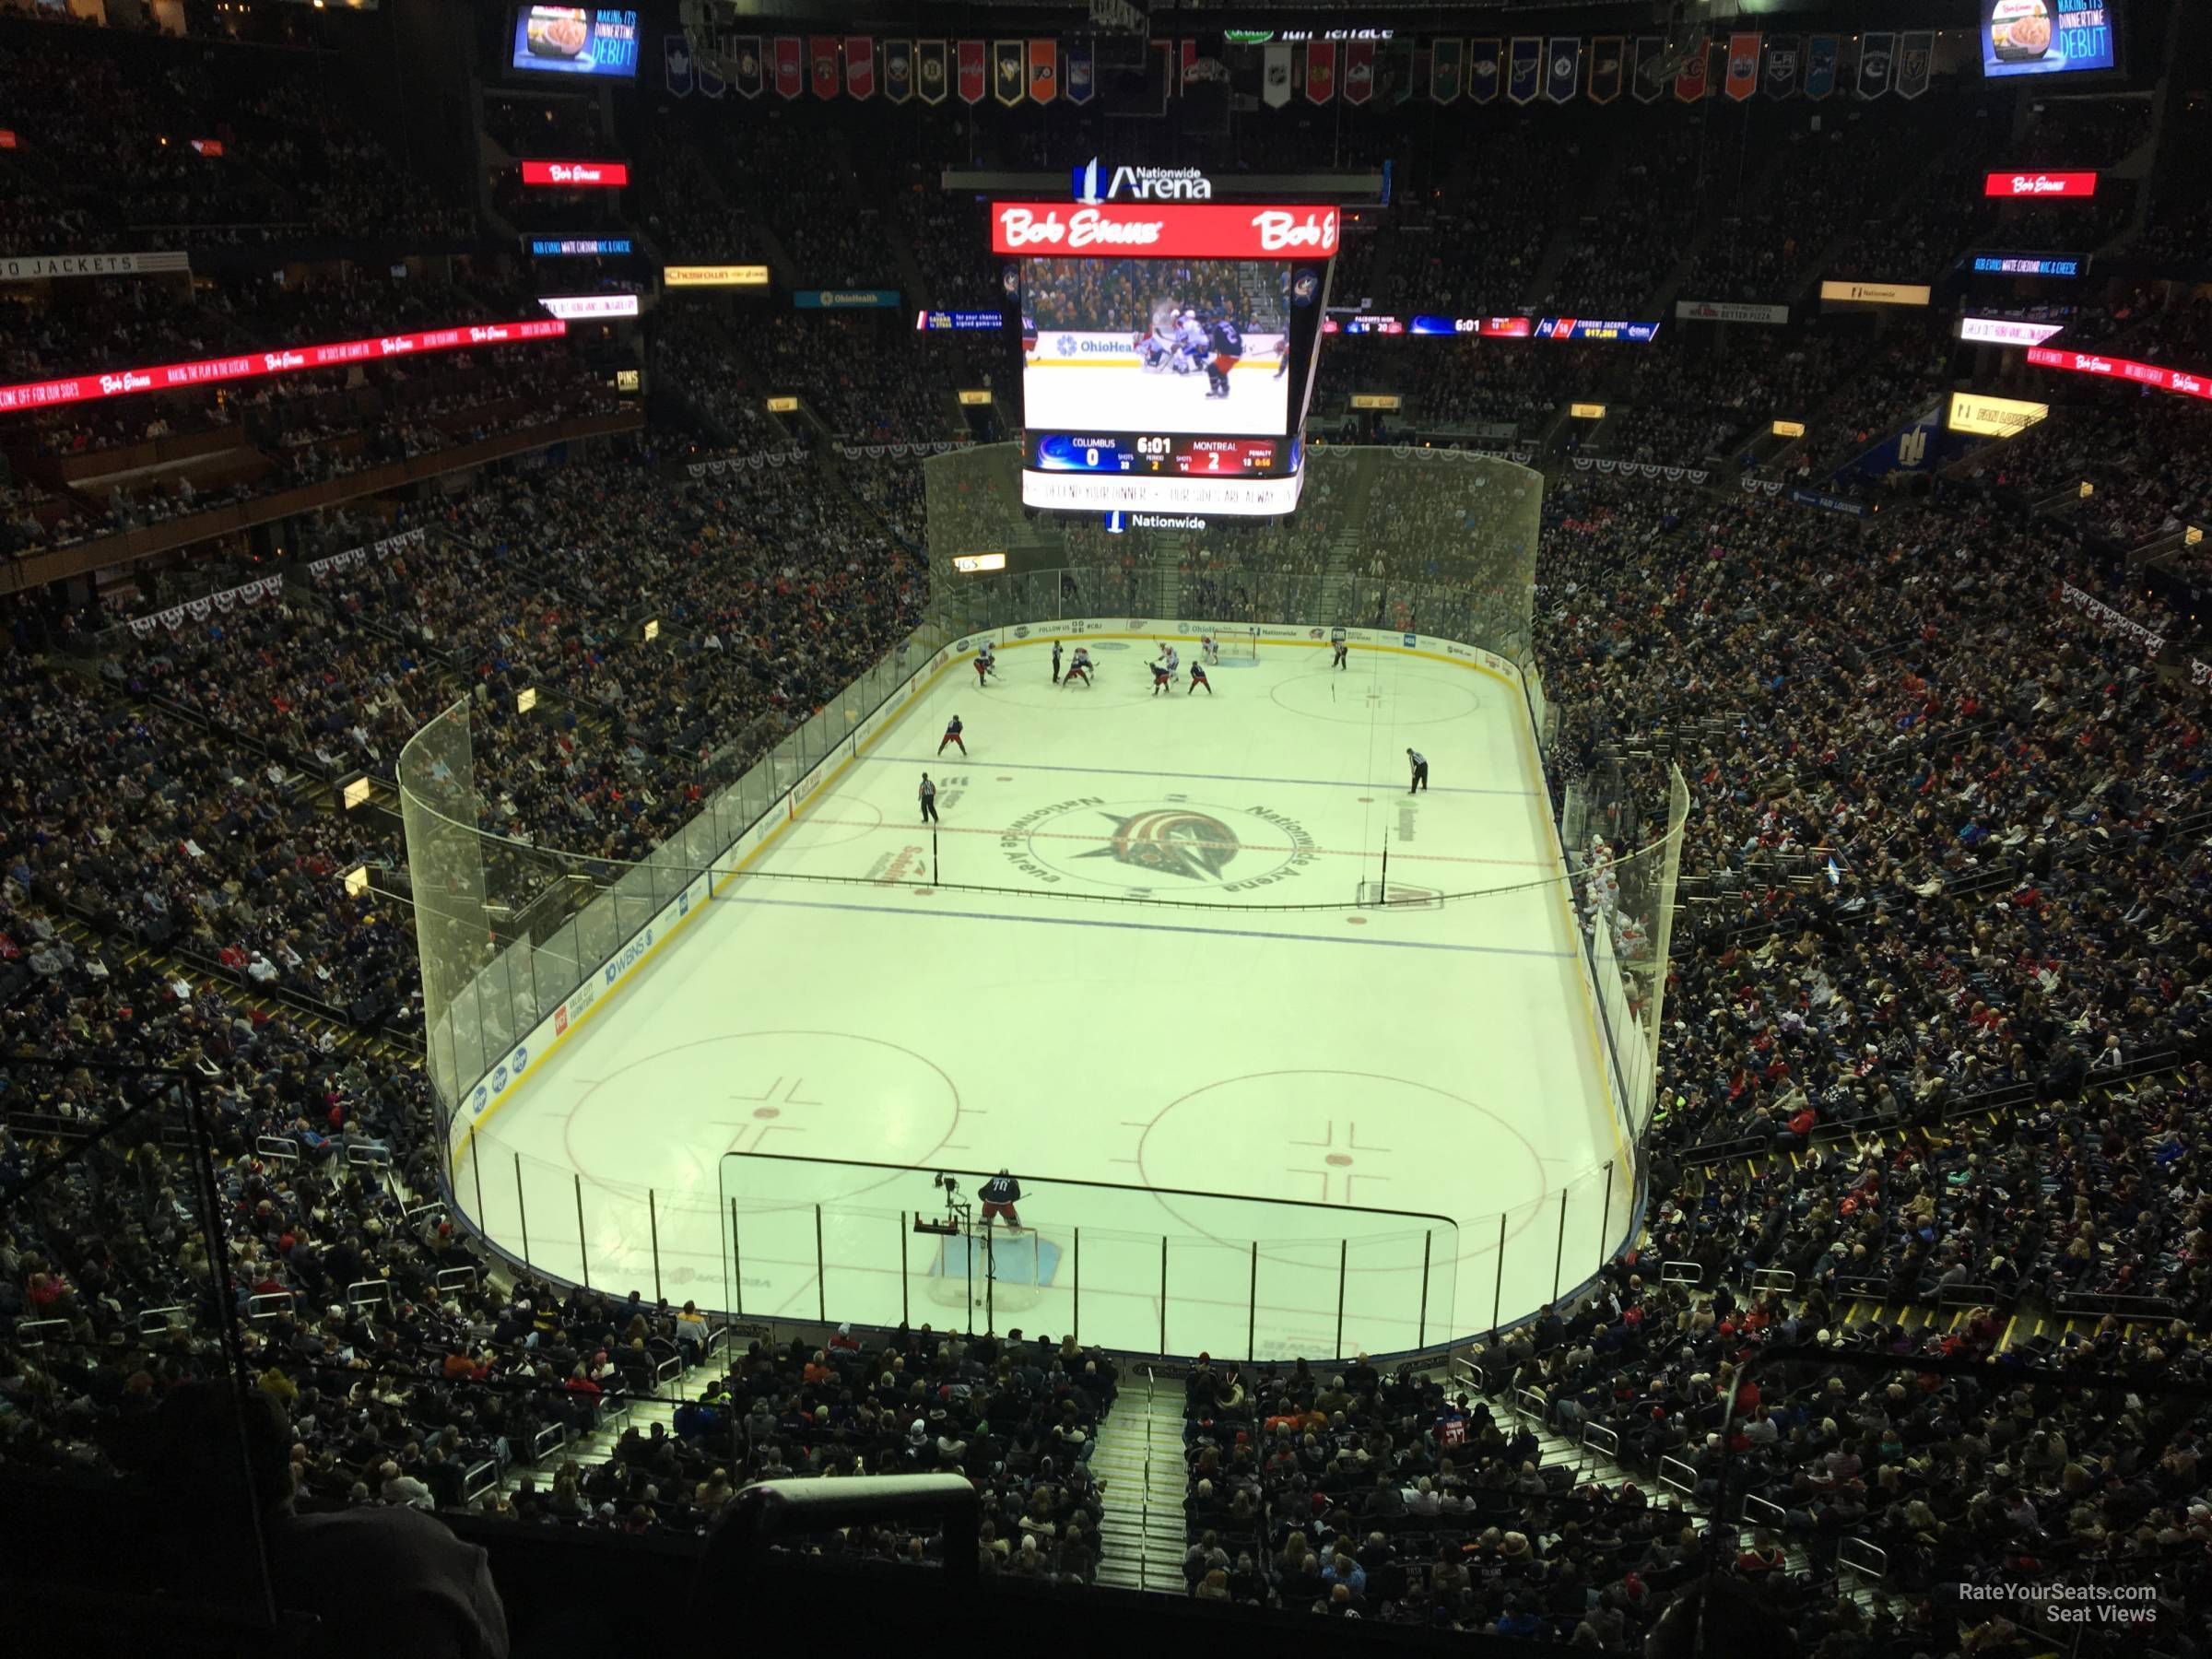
<point>128,381</point>
<point>1147,520</point>
<point>271,361</point>
<point>1141,184</point>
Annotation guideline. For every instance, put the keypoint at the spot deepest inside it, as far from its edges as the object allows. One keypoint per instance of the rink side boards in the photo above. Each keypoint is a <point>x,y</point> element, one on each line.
<point>499,1084</point>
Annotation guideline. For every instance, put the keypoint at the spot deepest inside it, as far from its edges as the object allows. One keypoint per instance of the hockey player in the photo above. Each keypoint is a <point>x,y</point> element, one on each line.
<point>1000,1194</point>
<point>1225,343</point>
<point>1078,664</point>
<point>1336,642</point>
<point>1190,342</point>
<point>982,670</point>
<point>1157,348</point>
<point>987,653</point>
<point>1209,648</point>
<point>1159,676</point>
<point>1169,656</point>
<point>952,734</point>
<point>1198,679</point>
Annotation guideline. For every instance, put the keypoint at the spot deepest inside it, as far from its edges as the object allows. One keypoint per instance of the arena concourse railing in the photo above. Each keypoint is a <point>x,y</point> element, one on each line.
<point>520,942</point>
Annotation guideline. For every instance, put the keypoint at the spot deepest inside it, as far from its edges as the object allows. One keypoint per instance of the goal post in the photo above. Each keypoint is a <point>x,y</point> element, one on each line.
<point>1237,644</point>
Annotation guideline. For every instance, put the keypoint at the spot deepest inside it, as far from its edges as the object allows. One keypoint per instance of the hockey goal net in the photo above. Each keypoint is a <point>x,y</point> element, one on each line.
<point>1241,643</point>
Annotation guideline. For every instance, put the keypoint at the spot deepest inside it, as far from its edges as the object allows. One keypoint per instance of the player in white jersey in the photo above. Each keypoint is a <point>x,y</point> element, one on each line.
<point>986,655</point>
<point>1210,648</point>
<point>1173,662</point>
<point>1078,665</point>
<point>1190,343</point>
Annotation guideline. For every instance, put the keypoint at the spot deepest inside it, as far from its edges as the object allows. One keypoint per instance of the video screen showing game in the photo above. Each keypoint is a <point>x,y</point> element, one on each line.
<point>1185,346</point>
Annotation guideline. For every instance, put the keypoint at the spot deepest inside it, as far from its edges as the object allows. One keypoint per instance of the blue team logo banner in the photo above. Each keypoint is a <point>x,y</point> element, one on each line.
<point>845,299</point>
<point>1525,75</point>
<point>1874,53</point>
<point>1563,69</point>
<point>1821,67</point>
<point>675,65</point>
<point>1082,72</point>
<point>1482,70</point>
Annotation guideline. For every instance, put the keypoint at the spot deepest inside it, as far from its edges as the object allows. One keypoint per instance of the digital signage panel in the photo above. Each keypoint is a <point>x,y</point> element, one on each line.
<point>2046,37</point>
<point>576,40</point>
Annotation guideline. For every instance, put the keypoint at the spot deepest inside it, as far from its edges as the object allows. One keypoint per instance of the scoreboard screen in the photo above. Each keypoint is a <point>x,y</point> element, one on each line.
<point>1167,350</point>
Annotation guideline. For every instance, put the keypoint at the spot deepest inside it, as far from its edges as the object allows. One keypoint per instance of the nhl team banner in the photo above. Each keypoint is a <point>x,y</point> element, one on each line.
<point>931,83</point>
<point>1358,71</point>
<point>1915,62</point>
<point>751,77</point>
<point>821,58</point>
<point>31,266</point>
<point>1743,64</point>
<point>1275,77</point>
<point>710,82</point>
<point>1607,53</point>
<point>1645,85</point>
<point>675,65</point>
<point>975,71</point>
<point>1083,73</point>
<point>1009,72</point>
<point>1690,86</point>
<point>1874,53</point>
<point>1778,78</point>
<point>1321,71</point>
<point>1564,76</point>
<point>860,66</point>
<point>1445,71</point>
<point>1482,70</point>
<point>791,65</point>
<point>1821,67</point>
<point>1044,71</point>
<point>898,70</point>
<point>1525,76</point>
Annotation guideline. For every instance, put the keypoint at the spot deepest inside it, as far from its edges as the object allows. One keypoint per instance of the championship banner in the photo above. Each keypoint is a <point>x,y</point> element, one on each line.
<point>1645,85</point>
<point>1358,71</point>
<point>1778,78</point>
<point>1525,75</point>
<point>1563,77</point>
<point>1321,71</point>
<point>899,70</point>
<point>1690,86</point>
<point>751,77</point>
<point>1915,62</point>
<point>1445,70</point>
<point>1482,70</point>
<point>1821,67</point>
<point>931,84</point>
<point>1044,71</point>
<point>1874,53</point>
<point>1009,72</point>
<point>1083,72</point>
<point>821,60</point>
<point>975,71</point>
<point>1275,77</point>
<point>790,66</point>
<point>1186,66</point>
<point>2110,621</point>
<point>1743,64</point>
<point>1607,55</point>
<point>675,65</point>
<point>860,66</point>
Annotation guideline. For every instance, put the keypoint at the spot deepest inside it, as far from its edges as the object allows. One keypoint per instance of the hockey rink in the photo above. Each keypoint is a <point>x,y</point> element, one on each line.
<point>1088,974</point>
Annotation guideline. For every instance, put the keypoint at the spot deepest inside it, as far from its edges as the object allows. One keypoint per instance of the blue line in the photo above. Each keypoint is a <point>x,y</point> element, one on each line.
<point>1211,933</point>
<point>1140,772</point>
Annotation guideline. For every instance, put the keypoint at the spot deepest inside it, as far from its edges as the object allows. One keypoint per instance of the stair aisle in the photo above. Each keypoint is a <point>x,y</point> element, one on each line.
<point>1139,1468</point>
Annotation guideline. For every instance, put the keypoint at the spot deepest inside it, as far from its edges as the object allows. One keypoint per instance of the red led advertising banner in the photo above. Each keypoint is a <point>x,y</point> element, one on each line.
<point>253,365</point>
<point>2010,186</point>
<point>2145,374</point>
<point>577,175</point>
<point>1154,230</point>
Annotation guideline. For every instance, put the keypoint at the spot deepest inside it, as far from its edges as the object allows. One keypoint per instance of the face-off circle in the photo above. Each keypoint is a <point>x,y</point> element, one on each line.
<point>1168,846</point>
<point>803,1094</point>
<point>1361,696</point>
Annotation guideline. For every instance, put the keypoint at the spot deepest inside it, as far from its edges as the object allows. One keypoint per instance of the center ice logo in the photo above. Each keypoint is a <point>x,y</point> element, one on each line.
<point>1171,841</point>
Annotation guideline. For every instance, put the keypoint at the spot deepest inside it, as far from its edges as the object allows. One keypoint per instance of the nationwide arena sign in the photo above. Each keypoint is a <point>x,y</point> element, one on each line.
<point>1876,293</point>
<point>575,175</point>
<point>256,365</point>
<point>1178,231</point>
<point>2110,368</point>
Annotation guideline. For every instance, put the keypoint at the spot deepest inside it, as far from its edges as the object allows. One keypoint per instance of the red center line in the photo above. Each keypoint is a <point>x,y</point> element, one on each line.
<point>1233,846</point>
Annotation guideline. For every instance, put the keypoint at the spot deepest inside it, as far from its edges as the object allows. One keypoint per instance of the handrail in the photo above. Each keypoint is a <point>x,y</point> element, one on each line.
<point>547,1439</point>
<point>776,1509</point>
<point>24,1338</point>
<point>1773,1279</point>
<point>1521,1409</point>
<point>1870,1287</point>
<point>375,1288</point>
<point>1754,1511</point>
<point>277,1146</point>
<point>1967,1296</point>
<point>365,1156</point>
<point>449,1277</point>
<point>270,1304</point>
<point>1874,1564</point>
<point>478,1479</point>
<point>1689,1488</point>
<point>1609,1444</point>
<point>1681,1272</point>
<point>161,1319</point>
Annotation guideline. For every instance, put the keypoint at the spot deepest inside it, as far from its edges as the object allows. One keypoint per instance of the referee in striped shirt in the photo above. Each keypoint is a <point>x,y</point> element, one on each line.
<point>1420,770</point>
